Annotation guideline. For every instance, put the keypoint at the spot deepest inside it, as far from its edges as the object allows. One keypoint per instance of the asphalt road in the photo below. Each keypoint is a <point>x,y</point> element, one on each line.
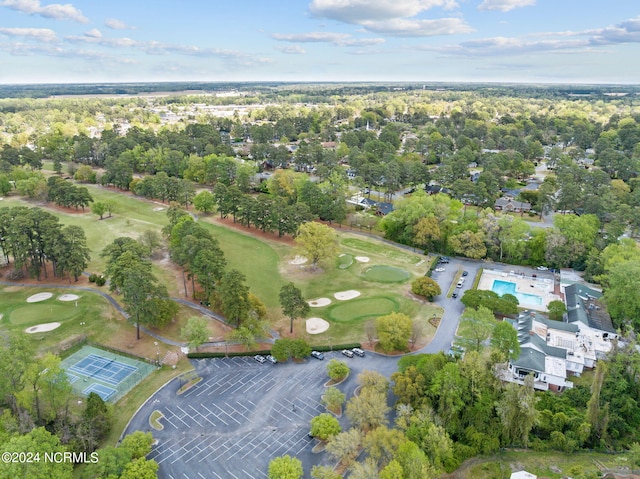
<point>242,414</point>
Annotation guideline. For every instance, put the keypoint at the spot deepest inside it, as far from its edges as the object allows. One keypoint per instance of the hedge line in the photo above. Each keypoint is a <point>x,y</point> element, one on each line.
<point>201,355</point>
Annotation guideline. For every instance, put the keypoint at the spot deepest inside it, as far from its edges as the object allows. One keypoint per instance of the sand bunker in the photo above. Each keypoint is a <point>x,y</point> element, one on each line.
<point>42,328</point>
<point>159,208</point>
<point>320,302</point>
<point>68,297</point>
<point>299,260</point>
<point>344,295</point>
<point>316,325</point>
<point>39,297</point>
<point>363,259</point>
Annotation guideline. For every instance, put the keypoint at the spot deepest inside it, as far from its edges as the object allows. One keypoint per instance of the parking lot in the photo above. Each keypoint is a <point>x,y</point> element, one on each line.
<point>242,415</point>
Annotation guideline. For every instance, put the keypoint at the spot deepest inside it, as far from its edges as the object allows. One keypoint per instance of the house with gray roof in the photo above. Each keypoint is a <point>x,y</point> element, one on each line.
<point>547,363</point>
<point>510,205</point>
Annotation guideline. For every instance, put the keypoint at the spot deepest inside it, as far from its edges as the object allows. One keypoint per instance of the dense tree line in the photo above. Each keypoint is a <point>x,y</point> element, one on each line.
<point>129,273</point>
<point>192,247</point>
<point>39,415</point>
<point>34,238</point>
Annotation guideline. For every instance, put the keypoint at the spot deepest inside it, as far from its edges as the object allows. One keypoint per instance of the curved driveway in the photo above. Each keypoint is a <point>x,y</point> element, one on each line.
<point>243,413</point>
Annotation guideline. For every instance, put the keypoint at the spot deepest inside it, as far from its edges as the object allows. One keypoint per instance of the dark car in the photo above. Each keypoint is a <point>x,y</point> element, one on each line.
<point>454,295</point>
<point>465,273</point>
<point>317,355</point>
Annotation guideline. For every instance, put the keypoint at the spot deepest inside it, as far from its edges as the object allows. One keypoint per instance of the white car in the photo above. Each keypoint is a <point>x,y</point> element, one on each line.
<point>439,270</point>
<point>542,268</point>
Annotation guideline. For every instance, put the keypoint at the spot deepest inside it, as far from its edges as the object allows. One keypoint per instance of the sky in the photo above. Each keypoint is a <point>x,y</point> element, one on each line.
<point>525,41</point>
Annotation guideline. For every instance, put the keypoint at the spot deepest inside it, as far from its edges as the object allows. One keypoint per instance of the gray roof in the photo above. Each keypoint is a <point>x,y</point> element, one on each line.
<point>503,202</point>
<point>583,305</point>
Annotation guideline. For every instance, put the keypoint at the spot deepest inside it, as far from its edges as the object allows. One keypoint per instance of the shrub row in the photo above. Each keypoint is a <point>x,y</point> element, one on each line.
<point>201,355</point>
<point>98,279</point>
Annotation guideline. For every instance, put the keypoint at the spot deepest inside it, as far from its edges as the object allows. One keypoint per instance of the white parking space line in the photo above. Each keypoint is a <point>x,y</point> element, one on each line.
<point>214,415</point>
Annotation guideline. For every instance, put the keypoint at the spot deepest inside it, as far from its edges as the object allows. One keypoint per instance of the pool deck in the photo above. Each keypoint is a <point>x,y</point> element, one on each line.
<point>525,284</point>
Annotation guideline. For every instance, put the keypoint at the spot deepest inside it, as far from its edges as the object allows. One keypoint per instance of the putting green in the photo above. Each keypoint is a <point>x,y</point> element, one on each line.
<point>345,260</point>
<point>42,313</point>
<point>362,308</point>
<point>385,274</point>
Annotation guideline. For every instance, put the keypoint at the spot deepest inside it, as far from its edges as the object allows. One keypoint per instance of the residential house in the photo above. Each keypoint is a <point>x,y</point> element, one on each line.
<point>552,350</point>
<point>585,310</point>
<point>547,363</point>
<point>510,205</point>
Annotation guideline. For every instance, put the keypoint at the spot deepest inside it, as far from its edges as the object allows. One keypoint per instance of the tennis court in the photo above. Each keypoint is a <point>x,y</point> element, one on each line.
<point>107,370</point>
<point>105,373</point>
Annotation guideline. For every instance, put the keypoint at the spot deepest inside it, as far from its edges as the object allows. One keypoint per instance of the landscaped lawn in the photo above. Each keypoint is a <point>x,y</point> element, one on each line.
<point>382,249</point>
<point>386,274</point>
<point>357,309</point>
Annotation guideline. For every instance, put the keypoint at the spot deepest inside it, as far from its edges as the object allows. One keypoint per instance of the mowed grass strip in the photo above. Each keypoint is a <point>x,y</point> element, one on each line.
<point>386,274</point>
<point>381,249</point>
<point>354,310</point>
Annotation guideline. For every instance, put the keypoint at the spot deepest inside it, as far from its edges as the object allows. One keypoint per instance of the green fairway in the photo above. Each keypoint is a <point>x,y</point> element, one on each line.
<point>253,257</point>
<point>382,249</point>
<point>385,274</point>
<point>357,309</point>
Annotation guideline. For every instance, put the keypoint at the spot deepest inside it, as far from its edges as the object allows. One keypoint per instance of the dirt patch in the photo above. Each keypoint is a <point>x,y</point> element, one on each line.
<point>36,298</point>
<point>68,297</point>
<point>319,303</point>
<point>42,328</point>
<point>345,295</point>
<point>50,279</point>
<point>316,325</point>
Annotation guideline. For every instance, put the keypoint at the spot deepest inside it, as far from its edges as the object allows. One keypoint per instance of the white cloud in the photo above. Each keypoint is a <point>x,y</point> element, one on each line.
<point>56,11</point>
<point>115,24</point>
<point>291,49</point>
<point>419,28</point>
<point>39,34</point>
<point>591,41</point>
<point>505,5</point>
<point>94,33</point>
<point>338,39</point>
<point>358,11</point>
<point>232,57</point>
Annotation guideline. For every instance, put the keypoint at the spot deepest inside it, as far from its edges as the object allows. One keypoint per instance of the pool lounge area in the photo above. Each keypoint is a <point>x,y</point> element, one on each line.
<point>507,287</point>
<point>532,292</point>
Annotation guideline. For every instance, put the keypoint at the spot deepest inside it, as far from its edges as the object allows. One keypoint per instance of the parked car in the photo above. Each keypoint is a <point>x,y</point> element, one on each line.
<point>358,352</point>
<point>465,273</point>
<point>542,268</point>
<point>454,295</point>
<point>439,270</point>
<point>317,355</point>
<point>259,358</point>
<point>460,283</point>
<point>347,352</point>
<point>271,359</point>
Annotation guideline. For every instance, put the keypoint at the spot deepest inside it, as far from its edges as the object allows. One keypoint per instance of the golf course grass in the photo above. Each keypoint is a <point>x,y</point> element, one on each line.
<point>345,260</point>
<point>358,309</point>
<point>17,315</point>
<point>386,274</point>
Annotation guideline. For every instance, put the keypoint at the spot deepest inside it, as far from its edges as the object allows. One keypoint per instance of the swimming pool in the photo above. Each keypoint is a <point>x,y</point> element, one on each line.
<point>507,287</point>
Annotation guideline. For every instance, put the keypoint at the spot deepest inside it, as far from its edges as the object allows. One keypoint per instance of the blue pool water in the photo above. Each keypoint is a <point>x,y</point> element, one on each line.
<point>507,287</point>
